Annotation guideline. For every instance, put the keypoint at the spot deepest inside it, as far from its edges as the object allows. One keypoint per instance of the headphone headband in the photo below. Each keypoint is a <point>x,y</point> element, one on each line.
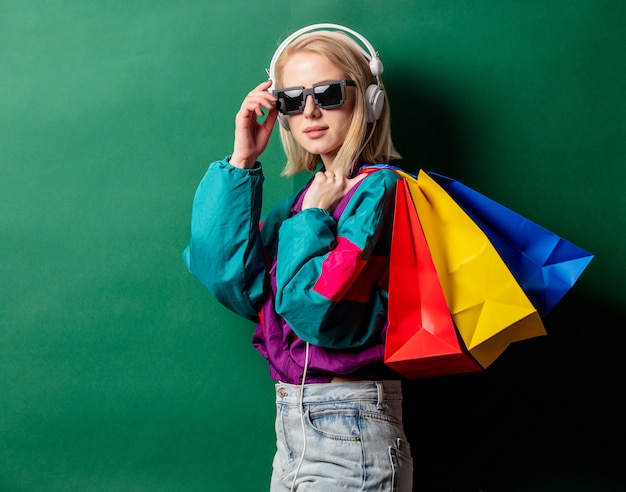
<point>370,54</point>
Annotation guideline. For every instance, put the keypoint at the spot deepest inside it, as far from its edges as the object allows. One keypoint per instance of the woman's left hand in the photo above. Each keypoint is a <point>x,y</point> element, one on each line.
<point>327,189</point>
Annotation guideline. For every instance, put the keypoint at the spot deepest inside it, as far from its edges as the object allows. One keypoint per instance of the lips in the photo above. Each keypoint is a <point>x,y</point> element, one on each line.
<point>315,131</point>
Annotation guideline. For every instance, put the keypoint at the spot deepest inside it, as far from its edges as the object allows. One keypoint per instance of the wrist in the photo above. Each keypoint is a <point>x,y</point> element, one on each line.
<point>241,162</point>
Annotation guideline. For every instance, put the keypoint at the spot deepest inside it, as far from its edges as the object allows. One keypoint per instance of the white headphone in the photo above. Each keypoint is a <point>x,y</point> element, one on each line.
<point>374,94</point>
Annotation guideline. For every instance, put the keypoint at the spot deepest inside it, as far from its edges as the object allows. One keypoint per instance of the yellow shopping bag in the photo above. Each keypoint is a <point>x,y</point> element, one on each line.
<point>488,306</point>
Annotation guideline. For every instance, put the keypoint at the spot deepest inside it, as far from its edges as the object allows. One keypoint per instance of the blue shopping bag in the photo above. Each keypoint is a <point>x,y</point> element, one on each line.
<point>545,265</point>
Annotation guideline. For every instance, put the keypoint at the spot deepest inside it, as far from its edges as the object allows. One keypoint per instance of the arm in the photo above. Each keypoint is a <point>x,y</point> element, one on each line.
<point>225,251</point>
<point>328,271</point>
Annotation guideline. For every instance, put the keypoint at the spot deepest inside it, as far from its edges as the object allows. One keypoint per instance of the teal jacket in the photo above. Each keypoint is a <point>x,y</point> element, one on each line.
<point>302,276</point>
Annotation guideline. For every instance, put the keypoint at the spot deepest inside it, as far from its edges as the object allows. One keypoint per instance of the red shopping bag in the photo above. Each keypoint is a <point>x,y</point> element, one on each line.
<point>421,337</point>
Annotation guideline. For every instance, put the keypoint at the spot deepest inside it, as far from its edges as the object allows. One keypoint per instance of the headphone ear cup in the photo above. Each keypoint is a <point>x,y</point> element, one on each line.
<point>284,121</point>
<point>375,101</point>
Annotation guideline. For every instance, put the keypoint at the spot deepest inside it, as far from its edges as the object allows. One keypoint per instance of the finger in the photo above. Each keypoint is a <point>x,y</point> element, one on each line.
<point>262,89</point>
<point>270,119</point>
<point>257,104</point>
<point>263,86</point>
<point>338,179</point>
<point>249,111</point>
<point>259,99</point>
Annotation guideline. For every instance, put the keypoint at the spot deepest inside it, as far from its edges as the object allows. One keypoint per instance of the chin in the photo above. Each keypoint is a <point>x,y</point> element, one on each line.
<point>320,149</point>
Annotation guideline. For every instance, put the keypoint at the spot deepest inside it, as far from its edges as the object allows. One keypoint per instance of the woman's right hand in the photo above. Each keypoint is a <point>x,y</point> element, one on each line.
<point>327,189</point>
<point>251,135</point>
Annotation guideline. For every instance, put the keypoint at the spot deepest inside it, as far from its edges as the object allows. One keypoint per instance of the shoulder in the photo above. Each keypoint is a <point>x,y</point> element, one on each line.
<point>380,181</point>
<point>375,192</point>
<point>385,175</point>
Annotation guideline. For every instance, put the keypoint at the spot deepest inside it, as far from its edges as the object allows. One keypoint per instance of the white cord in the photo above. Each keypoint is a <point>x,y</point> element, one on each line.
<point>306,365</point>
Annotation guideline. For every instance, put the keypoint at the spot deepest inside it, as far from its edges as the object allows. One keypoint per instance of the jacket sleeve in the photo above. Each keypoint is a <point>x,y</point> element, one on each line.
<point>225,251</point>
<point>328,272</point>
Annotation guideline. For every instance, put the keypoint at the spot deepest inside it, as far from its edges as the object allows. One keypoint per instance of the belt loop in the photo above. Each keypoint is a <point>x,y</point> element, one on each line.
<point>379,387</point>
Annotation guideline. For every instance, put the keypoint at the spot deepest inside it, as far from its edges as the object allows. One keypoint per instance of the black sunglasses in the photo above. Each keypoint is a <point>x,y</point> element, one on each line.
<point>326,95</point>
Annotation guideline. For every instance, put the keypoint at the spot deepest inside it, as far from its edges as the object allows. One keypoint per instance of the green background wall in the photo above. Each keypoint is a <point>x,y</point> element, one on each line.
<point>119,372</point>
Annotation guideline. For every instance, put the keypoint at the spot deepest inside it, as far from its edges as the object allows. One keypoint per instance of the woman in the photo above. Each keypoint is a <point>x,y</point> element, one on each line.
<point>313,273</point>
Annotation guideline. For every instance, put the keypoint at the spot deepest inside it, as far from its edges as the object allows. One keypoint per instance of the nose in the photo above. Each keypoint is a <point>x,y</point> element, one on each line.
<point>310,108</point>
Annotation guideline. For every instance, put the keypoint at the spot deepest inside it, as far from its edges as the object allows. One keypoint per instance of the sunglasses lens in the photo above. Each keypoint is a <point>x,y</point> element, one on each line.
<point>290,101</point>
<point>328,96</point>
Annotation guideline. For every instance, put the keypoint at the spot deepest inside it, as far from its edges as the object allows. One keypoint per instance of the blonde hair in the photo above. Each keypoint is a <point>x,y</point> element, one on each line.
<point>365,142</point>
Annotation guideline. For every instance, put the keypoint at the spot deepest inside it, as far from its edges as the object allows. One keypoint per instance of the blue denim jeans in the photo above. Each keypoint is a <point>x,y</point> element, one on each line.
<point>348,437</point>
